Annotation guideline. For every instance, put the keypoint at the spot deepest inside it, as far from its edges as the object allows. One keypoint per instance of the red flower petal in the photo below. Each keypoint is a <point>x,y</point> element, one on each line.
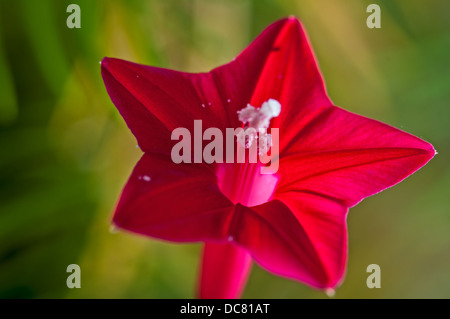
<point>154,101</point>
<point>174,202</point>
<point>348,157</point>
<point>225,269</point>
<point>278,64</point>
<point>330,159</point>
<point>302,236</point>
<point>151,134</point>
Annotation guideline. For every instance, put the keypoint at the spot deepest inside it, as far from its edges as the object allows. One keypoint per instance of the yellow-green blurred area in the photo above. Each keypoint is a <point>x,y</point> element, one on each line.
<point>65,153</point>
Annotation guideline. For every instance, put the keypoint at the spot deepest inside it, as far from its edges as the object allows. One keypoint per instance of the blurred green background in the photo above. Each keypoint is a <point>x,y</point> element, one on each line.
<point>66,153</point>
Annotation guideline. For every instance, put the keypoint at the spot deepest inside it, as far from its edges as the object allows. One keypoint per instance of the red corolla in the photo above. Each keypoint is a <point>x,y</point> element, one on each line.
<point>291,222</point>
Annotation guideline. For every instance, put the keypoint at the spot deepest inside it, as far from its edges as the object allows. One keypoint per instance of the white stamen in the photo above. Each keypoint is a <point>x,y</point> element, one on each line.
<point>203,105</point>
<point>257,121</point>
<point>230,238</point>
<point>265,142</point>
<point>146,178</point>
<point>229,100</point>
<point>271,108</point>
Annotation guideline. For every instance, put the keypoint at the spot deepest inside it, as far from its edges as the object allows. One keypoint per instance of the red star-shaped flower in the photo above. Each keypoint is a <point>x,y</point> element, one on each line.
<point>292,223</point>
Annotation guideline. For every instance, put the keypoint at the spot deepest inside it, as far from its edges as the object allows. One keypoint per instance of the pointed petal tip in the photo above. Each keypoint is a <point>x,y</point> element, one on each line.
<point>105,62</point>
<point>330,292</point>
<point>434,153</point>
<point>431,151</point>
<point>113,229</point>
<point>105,66</point>
<point>286,22</point>
<point>108,63</point>
<point>291,20</point>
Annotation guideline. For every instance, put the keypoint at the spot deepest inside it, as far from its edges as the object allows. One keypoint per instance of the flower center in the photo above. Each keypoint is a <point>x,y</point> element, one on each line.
<point>244,183</point>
